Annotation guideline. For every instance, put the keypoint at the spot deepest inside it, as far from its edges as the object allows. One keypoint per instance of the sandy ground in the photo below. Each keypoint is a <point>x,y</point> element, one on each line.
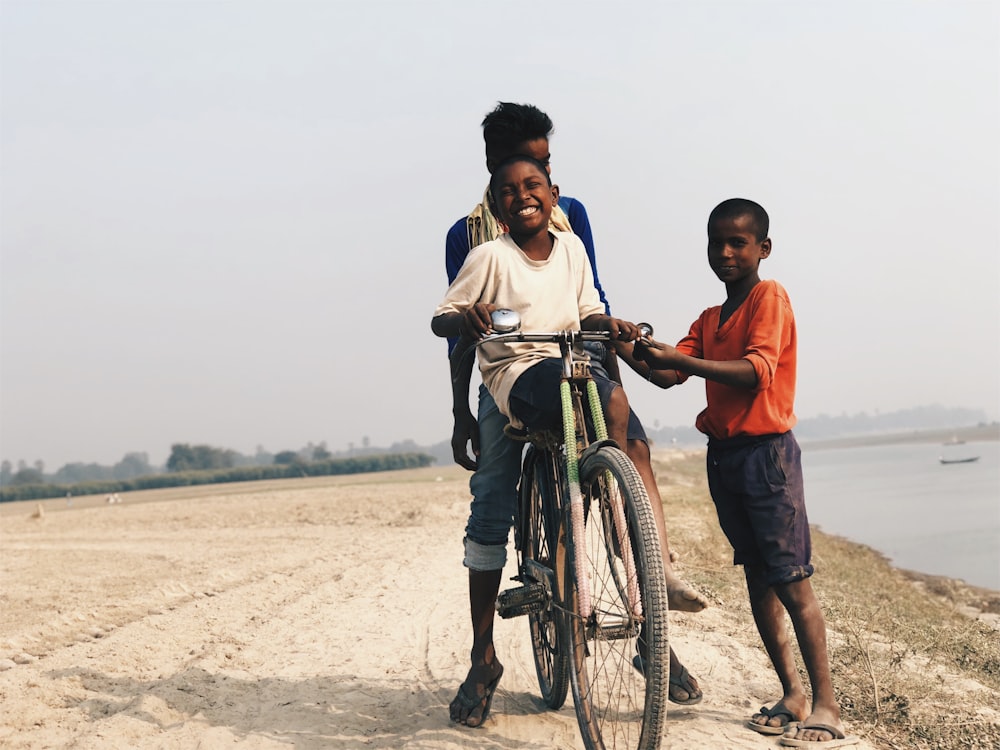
<point>319,613</point>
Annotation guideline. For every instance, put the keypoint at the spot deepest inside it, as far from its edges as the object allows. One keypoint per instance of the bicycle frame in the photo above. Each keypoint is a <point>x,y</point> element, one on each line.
<point>577,380</point>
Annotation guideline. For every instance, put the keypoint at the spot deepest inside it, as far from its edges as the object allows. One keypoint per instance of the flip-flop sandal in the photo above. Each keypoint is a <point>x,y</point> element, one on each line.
<point>680,682</point>
<point>469,702</point>
<point>776,711</point>
<point>839,738</point>
<point>640,665</point>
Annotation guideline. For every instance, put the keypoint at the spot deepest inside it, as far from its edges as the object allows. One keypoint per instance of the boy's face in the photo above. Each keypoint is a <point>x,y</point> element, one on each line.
<point>537,149</point>
<point>524,198</point>
<point>734,252</point>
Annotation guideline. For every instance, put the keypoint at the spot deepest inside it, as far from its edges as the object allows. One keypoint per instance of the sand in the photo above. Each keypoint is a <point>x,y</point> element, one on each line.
<point>314,613</point>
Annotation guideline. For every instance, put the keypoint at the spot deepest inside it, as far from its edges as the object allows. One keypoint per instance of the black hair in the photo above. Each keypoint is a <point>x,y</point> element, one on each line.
<point>513,159</point>
<point>509,125</point>
<point>734,207</point>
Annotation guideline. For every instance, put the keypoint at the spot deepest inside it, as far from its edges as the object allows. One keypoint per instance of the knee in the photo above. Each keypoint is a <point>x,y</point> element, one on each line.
<point>638,450</point>
<point>797,596</point>
<point>618,408</point>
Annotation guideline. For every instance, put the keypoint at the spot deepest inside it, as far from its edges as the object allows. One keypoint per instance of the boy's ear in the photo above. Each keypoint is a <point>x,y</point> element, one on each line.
<point>555,195</point>
<point>765,248</point>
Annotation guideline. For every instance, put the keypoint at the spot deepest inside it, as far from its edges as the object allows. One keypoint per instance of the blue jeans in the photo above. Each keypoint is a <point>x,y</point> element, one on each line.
<point>494,489</point>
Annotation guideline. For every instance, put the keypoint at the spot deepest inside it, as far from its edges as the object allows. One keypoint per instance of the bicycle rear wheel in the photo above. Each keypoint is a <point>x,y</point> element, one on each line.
<point>618,705</point>
<point>543,556</point>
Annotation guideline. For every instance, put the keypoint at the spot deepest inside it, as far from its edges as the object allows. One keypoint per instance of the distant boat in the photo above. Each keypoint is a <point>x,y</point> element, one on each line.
<point>953,440</point>
<point>968,460</point>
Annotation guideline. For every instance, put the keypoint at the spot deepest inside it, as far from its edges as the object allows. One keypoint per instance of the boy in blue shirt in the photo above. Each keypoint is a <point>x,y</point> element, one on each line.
<point>521,129</point>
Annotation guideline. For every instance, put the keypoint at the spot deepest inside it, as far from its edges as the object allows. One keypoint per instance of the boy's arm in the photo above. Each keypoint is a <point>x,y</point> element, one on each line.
<point>739,373</point>
<point>465,429</point>
<point>580,221</point>
<point>467,327</point>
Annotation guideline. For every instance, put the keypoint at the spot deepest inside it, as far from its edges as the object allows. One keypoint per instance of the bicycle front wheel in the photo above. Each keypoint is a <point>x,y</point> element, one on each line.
<point>620,664</point>
<point>543,555</point>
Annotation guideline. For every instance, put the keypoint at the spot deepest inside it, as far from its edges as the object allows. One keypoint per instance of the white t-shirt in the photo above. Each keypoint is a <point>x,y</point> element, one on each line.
<point>550,295</point>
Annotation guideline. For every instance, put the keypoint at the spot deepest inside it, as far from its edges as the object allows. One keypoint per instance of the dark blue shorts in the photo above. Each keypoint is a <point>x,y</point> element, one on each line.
<point>534,400</point>
<point>756,485</point>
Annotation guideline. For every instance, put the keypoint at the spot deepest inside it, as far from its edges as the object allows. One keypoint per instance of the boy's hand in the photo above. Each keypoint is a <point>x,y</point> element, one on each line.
<point>653,353</point>
<point>476,322</point>
<point>464,432</point>
<point>622,330</point>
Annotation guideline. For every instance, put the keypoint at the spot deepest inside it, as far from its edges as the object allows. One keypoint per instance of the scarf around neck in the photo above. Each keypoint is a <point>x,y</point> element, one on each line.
<point>482,224</point>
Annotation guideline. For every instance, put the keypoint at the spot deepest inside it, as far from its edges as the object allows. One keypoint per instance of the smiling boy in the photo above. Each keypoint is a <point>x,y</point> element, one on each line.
<point>545,276</point>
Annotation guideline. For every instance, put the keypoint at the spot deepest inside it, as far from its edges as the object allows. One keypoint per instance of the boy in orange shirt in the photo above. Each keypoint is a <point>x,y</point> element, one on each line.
<point>745,349</point>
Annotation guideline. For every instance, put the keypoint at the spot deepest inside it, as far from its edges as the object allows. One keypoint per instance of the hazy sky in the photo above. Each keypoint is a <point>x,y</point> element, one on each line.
<point>223,222</point>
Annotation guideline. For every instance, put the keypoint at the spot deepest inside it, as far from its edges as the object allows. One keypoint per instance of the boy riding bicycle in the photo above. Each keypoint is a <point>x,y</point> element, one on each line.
<point>546,277</point>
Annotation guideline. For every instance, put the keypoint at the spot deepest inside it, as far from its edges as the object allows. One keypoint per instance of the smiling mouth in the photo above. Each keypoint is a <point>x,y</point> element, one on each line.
<point>528,211</point>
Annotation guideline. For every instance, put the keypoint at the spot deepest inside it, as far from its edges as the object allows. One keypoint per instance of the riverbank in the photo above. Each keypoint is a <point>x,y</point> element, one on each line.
<point>332,612</point>
<point>948,436</point>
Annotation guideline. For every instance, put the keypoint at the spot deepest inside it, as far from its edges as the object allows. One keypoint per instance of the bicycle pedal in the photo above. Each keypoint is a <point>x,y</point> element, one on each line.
<point>523,600</point>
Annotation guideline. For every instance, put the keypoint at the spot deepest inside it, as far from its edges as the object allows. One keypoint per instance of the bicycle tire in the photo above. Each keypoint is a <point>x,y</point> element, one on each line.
<point>541,543</point>
<point>619,707</point>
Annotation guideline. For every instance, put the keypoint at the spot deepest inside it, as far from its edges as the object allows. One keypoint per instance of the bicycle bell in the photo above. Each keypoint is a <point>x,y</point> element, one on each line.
<point>645,330</point>
<point>505,321</point>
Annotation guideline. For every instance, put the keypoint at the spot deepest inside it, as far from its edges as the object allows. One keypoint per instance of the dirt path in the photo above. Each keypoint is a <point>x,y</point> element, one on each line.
<point>321,613</point>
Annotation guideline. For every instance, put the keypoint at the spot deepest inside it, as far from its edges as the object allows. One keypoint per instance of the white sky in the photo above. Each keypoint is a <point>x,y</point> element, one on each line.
<point>223,222</point>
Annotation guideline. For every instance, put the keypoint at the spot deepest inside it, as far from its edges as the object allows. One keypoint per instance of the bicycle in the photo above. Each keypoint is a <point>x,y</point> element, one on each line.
<point>589,564</point>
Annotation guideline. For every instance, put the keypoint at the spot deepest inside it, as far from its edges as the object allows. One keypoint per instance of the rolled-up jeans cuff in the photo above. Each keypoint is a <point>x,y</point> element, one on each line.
<point>484,557</point>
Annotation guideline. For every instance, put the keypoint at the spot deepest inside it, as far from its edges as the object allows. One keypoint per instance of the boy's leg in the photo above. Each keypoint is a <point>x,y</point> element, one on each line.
<point>683,687</point>
<point>758,492</point>
<point>494,499</point>
<point>800,601</point>
<point>681,597</point>
<point>769,616</point>
<point>470,705</point>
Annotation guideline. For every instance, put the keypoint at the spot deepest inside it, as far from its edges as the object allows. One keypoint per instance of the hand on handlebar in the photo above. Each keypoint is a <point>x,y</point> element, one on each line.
<point>476,322</point>
<point>622,330</point>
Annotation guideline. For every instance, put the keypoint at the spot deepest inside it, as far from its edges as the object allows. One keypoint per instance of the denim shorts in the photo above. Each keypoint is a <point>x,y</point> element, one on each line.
<point>756,485</point>
<point>534,399</point>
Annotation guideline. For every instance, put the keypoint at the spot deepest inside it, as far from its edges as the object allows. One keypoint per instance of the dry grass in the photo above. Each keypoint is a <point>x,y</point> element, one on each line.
<point>912,667</point>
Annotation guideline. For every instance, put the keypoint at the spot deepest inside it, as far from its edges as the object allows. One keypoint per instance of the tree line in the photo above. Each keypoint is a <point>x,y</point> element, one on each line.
<point>191,465</point>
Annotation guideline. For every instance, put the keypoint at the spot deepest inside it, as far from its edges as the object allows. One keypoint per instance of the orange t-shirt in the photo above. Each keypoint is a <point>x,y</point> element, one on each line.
<point>762,331</point>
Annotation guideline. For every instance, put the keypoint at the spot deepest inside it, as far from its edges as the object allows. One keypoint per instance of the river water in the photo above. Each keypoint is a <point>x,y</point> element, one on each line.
<point>940,519</point>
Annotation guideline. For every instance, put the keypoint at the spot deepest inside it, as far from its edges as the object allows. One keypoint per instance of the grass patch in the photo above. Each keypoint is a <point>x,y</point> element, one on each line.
<point>912,669</point>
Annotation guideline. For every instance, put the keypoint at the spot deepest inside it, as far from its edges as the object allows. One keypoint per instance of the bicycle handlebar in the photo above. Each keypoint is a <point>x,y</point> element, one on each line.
<point>508,324</point>
<point>551,336</point>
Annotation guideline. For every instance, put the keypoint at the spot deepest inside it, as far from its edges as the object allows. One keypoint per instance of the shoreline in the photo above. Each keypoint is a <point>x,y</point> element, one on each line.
<point>945,436</point>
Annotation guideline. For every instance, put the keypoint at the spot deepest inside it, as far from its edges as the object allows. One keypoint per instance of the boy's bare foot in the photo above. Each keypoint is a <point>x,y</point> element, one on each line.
<point>682,598</point>
<point>471,705</point>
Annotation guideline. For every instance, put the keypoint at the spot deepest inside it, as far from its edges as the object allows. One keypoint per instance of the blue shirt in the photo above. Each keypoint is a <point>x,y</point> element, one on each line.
<point>457,248</point>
